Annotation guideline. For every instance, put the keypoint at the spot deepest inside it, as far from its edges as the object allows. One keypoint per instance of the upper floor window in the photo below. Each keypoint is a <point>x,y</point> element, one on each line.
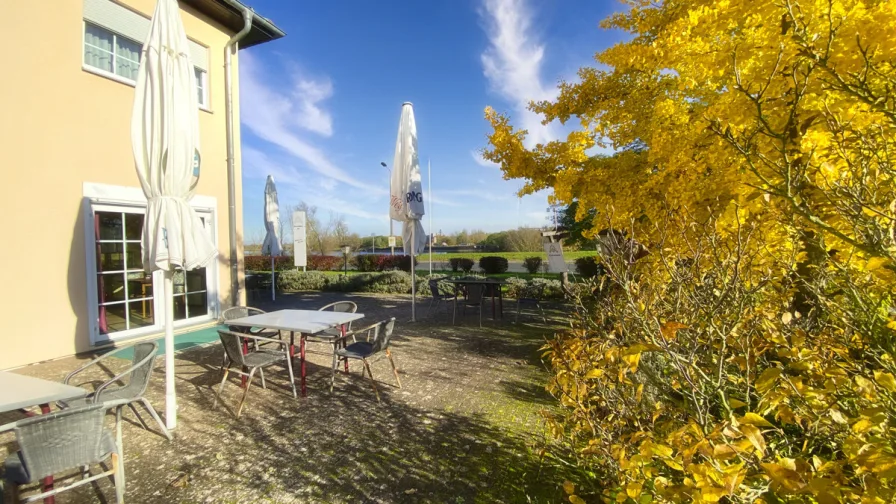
<point>110,52</point>
<point>113,55</point>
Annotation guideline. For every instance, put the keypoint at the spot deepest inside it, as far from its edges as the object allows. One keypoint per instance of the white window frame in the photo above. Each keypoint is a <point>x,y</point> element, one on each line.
<point>104,197</point>
<point>204,105</point>
<point>202,83</point>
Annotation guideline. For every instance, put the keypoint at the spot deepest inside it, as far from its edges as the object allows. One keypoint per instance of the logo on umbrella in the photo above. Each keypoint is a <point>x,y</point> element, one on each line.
<point>415,196</point>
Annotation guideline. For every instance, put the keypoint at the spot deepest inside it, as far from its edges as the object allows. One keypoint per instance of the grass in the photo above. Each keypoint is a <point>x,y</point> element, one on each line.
<point>510,256</point>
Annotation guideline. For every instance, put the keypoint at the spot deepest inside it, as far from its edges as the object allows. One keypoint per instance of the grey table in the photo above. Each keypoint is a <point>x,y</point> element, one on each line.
<point>18,392</point>
<point>304,322</point>
<point>494,289</point>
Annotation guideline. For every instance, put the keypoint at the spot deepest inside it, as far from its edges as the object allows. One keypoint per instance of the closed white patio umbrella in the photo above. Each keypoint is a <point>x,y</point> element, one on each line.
<point>272,245</point>
<point>165,140</point>
<point>406,200</point>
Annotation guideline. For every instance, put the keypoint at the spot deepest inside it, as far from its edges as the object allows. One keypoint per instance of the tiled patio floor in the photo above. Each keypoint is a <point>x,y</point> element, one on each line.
<point>457,432</point>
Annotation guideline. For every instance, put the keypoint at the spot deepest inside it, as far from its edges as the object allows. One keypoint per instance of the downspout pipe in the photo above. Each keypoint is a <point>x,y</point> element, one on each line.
<point>229,49</point>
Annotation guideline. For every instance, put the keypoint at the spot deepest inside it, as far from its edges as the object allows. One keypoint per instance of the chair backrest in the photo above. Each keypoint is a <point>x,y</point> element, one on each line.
<point>343,307</point>
<point>434,288</point>
<point>55,442</point>
<point>382,334</point>
<point>233,346</point>
<point>235,312</point>
<point>136,377</point>
<point>474,293</point>
<point>340,306</point>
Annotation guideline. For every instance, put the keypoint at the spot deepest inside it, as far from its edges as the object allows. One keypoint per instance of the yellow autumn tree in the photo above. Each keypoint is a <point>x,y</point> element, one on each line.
<point>749,357</point>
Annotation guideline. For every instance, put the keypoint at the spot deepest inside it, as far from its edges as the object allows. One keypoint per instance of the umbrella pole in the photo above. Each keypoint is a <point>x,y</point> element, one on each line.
<point>170,395</point>
<point>413,273</point>
<point>273,280</point>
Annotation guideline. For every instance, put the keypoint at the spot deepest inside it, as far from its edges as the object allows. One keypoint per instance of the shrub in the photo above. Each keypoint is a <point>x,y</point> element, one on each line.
<point>515,286</point>
<point>588,267</point>
<point>324,263</point>
<point>552,288</point>
<point>461,264</point>
<point>293,280</point>
<point>263,263</point>
<point>493,264</point>
<point>532,264</point>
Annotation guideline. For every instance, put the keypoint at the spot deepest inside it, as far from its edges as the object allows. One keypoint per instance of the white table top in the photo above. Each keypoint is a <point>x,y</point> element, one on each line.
<point>20,391</point>
<point>302,321</point>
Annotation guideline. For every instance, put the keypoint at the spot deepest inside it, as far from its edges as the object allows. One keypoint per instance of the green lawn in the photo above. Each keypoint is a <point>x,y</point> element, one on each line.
<point>526,276</point>
<point>510,256</point>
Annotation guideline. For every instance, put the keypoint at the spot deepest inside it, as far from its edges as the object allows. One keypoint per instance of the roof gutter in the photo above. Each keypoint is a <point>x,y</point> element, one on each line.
<point>230,48</point>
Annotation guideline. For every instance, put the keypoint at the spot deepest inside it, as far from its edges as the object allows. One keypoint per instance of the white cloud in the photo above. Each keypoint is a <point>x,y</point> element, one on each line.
<point>481,161</point>
<point>274,117</point>
<point>512,63</point>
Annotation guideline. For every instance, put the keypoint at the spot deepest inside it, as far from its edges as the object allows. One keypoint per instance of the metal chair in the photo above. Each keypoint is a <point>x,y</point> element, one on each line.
<point>474,298</point>
<point>137,375</point>
<point>235,312</point>
<point>531,295</point>
<point>377,341</point>
<point>438,297</point>
<point>52,443</point>
<point>329,335</point>
<point>253,361</point>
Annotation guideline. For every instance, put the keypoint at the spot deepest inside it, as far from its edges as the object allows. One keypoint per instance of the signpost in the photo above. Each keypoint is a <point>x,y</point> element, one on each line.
<point>298,239</point>
<point>556,263</point>
<point>392,244</point>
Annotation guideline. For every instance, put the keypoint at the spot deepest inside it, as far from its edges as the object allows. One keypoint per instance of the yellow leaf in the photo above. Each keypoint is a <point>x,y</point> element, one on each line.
<point>594,373</point>
<point>569,487</point>
<point>837,416</point>
<point>661,450</point>
<point>633,489</point>
<point>754,419</point>
<point>575,499</point>
<point>670,329</point>
<point>885,380</point>
<point>788,478</point>
<point>875,263</point>
<point>755,436</point>
<point>767,379</point>
<point>712,494</point>
<point>673,464</point>
<point>735,403</point>
<point>786,317</point>
<point>862,426</point>
<point>639,392</point>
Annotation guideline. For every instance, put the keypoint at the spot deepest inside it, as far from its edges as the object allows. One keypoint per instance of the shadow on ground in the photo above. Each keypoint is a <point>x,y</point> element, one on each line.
<point>459,431</point>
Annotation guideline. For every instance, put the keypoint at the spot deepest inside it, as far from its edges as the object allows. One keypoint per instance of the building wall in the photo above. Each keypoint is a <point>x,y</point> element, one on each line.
<point>61,126</point>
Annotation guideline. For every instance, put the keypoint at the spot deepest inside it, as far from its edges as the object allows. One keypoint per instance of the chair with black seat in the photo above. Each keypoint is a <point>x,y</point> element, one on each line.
<point>439,297</point>
<point>237,362</point>
<point>52,443</point>
<point>475,295</point>
<point>376,343</point>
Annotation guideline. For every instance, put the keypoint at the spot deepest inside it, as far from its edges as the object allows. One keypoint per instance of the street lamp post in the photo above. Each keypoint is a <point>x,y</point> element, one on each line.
<point>345,251</point>
<point>391,230</point>
<point>373,242</point>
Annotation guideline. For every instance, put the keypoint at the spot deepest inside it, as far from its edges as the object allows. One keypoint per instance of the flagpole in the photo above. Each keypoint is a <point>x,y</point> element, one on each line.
<point>429,236</point>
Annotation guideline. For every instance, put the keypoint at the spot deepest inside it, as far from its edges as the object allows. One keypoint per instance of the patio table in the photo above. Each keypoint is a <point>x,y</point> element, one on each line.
<point>495,288</point>
<point>304,322</point>
<point>18,392</point>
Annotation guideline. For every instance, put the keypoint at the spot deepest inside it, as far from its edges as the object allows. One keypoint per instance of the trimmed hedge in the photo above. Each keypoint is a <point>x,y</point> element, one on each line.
<point>493,264</point>
<point>461,264</point>
<point>263,263</point>
<point>324,263</point>
<point>301,281</point>
<point>382,262</point>
<point>532,264</point>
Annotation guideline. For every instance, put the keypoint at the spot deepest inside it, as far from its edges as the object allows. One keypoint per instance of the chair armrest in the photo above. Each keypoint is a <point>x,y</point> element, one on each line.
<point>354,332</point>
<point>106,355</point>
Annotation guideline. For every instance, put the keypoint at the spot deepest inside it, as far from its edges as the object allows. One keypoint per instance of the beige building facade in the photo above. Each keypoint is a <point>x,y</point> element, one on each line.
<point>71,205</point>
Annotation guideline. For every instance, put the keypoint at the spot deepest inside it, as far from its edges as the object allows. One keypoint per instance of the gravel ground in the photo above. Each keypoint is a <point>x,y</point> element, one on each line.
<point>460,430</point>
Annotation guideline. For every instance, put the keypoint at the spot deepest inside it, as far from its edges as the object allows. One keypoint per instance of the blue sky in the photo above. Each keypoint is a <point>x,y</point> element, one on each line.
<point>320,107</point>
